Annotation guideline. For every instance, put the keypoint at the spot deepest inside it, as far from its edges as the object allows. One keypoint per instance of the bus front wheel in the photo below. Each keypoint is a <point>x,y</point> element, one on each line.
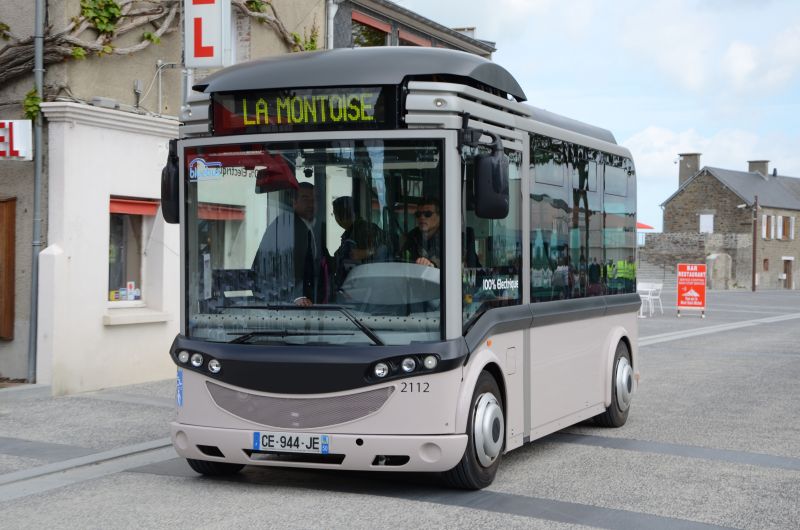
<point>486,432</point>
<point>616,413</point>
<point>214,469</point>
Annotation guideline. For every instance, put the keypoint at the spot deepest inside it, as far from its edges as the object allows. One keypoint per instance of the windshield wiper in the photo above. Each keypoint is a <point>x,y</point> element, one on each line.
<point>321,307</point>
<point>276,333</point>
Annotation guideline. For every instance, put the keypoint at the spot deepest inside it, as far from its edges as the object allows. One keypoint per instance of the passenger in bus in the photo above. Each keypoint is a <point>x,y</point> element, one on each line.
<point>292,258</point>
<point>362,241</point>
<point>423,244</point>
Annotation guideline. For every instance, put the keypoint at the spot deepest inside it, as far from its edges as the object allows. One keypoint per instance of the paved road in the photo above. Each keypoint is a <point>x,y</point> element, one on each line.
<point>713,441</point>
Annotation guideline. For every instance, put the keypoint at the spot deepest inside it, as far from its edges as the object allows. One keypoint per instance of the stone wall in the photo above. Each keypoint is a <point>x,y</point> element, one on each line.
<point>669,249</point>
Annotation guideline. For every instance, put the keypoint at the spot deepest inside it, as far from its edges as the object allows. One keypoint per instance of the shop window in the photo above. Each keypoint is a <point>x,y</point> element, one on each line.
<point>8,209</point>
<point>406,38</point>
<point>129,222</point>
<point>368,31</point>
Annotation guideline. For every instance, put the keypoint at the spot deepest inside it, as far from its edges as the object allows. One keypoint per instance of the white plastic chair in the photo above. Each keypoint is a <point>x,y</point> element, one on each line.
<point>655,298</point>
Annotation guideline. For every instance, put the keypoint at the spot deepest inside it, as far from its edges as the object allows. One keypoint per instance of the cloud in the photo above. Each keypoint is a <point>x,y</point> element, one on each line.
<point>739,63</point>
<point>680,46</point>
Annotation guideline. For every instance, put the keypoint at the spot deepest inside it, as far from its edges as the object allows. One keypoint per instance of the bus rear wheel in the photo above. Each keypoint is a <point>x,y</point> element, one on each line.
<point>214,469</point>
<point>486,438</point>
<point>616,413</point>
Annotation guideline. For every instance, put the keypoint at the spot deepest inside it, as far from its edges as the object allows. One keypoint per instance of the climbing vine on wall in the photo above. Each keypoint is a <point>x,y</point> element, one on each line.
<point>101,25</point>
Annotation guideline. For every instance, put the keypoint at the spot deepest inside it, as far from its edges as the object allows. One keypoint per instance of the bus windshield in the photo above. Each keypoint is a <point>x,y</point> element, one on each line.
<point>301,243</point>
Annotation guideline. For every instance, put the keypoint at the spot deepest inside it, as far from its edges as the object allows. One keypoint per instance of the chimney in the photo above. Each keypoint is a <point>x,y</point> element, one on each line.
<point>762,166</point>
<point>688,166</point>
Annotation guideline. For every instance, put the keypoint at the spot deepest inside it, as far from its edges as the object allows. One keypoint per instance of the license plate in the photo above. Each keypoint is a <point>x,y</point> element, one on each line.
<point>291,442</point>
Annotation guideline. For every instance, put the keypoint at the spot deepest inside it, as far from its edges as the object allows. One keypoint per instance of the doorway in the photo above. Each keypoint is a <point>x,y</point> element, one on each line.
<point>787,273</point>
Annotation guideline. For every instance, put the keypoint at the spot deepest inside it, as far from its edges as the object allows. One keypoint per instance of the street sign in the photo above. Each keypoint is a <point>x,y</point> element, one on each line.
<point>16,142</point>
<point>692,287</point>
<point>207,33</point>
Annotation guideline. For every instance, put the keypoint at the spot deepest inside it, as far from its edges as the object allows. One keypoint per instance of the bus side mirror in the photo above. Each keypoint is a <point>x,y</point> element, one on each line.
<point>170,186</point>
<point>491,182</point>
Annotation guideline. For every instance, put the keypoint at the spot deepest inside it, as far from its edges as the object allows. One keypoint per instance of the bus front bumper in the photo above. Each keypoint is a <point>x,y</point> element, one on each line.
<point>428,453</point>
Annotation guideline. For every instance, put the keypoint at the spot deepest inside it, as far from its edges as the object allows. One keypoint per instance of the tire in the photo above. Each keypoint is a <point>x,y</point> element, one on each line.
<point>485,445</point>
<point>214,469</point>
<point>616,414</point>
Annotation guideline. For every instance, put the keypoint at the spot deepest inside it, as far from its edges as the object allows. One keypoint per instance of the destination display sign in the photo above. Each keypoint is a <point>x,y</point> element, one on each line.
<point>308,109</point>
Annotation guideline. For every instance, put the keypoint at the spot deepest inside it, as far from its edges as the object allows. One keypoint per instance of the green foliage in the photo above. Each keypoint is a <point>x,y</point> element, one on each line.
<point>259,6</point>
<point>78,53</point>
<point>31,104</point>
<point>152,37</point>
<point>107,50</point>
<point>103,14</point>
<point>4,31</point>
<point>308,43</point>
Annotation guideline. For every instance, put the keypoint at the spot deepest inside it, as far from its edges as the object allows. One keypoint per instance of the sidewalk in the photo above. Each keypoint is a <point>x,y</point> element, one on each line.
<point>38,430</point>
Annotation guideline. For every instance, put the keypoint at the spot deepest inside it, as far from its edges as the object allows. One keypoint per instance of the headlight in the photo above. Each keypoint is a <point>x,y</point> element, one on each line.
<point>430,362</point>
<point>408,364</point>
<point>214,366</point>
<point>381,370</point>
<point>183,356</point>
<point>197,360</point>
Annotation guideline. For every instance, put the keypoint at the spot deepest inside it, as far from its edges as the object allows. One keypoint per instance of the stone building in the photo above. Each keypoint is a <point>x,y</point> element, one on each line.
<point>108,290</point>
<point>713,216</point>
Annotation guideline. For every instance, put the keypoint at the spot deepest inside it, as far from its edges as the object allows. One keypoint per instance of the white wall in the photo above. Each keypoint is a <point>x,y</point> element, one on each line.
<point>83,343</point>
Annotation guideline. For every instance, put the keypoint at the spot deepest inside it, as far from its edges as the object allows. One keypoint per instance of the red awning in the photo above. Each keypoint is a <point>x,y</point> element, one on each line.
<point>642,226</point>
<point>133,206</point>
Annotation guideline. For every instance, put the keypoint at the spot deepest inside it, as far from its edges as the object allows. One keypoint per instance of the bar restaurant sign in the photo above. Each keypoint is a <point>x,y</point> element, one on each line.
<point>16,142</point>
<point>207,33</point>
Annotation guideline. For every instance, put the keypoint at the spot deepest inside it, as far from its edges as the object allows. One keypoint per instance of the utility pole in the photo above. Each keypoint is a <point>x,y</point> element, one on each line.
<point>755,239</point>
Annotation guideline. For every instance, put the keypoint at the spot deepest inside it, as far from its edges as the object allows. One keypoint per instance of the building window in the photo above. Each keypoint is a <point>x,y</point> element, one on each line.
<point>706,223</point>
<point>767,222</point>
<point>368,31</point>
<point>410,39</point>
<point>128,225</point>
<point>786,227</point>
<point>766,265</point>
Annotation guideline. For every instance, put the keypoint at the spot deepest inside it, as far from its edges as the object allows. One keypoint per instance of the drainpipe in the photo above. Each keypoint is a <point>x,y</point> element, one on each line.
<point>755,240</point>
<point>38,79</point>
<point>333,7</point>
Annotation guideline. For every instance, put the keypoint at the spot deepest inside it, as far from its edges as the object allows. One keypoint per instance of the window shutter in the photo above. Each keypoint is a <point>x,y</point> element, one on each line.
<point>774,222</point>
<point>779,227</point>
<point>791,228</point>
<point>764,219</point>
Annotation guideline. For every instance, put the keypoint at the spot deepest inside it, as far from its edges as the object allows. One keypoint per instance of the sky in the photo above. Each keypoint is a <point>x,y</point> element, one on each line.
<point>717,77</point>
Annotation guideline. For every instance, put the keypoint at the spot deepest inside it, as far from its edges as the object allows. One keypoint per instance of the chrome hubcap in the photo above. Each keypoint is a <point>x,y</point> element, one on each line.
<point>488,429</point>
<point>624,383</point>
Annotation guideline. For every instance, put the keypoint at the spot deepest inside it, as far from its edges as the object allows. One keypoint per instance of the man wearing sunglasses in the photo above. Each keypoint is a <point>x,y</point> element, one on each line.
<point>423,244</point>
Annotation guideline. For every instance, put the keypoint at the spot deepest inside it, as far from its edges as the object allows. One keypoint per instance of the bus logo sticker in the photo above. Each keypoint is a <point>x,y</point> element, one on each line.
<point>179,388</point>
<point>199,169</point>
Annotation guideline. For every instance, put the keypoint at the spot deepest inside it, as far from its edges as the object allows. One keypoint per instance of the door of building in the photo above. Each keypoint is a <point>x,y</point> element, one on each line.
<point>787,271</point>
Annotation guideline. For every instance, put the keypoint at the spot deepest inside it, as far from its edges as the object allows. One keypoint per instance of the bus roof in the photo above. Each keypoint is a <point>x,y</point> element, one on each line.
<point>384,65</point>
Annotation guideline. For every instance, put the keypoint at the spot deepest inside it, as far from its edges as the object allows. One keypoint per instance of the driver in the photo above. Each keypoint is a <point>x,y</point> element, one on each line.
<point>423,244</point>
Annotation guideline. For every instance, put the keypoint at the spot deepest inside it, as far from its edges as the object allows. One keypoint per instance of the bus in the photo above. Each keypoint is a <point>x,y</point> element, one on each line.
<point>390,262</point>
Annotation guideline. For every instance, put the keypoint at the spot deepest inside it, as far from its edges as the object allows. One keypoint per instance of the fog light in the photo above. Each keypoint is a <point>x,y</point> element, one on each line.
<point>197,360</point>
<point>183,356</point>
<point>381,370</point>
<point>430,362</point>
<point>214,366</point>
<point>408,364</point>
